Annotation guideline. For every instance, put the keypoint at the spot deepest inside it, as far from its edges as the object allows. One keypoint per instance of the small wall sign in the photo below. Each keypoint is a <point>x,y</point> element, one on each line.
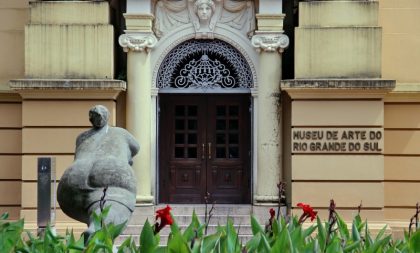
<point>337,140</point>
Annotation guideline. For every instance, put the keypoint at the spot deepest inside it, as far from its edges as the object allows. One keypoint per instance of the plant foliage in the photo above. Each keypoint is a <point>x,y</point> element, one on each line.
<point>282,236</point>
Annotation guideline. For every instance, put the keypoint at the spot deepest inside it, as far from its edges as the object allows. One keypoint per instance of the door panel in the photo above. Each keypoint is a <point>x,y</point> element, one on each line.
<point>183,167</point>
<point>204,147</point>
<point>228,132</point>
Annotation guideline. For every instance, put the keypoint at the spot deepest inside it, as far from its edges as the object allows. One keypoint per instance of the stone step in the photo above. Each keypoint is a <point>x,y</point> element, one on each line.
<point>148,212</point>
<point>164,239</point>
<point>222,209</point>
<point>186,219</point>
<point>136,229</point>
<point>240,215</point>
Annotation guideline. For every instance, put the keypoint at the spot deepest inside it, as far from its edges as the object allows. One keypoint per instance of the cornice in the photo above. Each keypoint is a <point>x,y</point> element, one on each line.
<point>67,88</point>
<point>337,88</point>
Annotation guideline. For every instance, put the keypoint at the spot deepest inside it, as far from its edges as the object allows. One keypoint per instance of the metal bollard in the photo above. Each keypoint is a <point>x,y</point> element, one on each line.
<point>46,192</point>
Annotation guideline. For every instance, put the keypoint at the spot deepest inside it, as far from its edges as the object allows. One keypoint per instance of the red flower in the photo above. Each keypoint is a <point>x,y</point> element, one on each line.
<point>165,217</point>
<point>272,213</point>
<point>308,211</point>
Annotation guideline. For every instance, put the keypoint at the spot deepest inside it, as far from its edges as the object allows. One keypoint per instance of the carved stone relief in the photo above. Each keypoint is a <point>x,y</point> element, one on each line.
<point>204,15</point>
<point>204,64</point>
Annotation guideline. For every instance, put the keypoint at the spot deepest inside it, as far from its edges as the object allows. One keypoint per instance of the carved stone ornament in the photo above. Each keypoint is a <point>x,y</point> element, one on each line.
<point>204,15</point>
<point>137,42</point>
<point>204,64</point>
<point>270,42</point>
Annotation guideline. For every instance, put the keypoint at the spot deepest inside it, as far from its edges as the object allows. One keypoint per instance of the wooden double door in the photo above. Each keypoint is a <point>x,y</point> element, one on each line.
<point>204,146</point>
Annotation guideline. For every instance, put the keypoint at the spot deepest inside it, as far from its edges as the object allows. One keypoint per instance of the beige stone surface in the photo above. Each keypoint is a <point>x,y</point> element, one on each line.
<point>14,3</point>
<point>13,19</point>
<point>337,167</point>
<point>401,55</point>
<point>400,20</point>
<point>29,195</point>
<point>139,22</point>
<point>138,120</point>
<point>399,213</point>
<point>270,22</point>
<point>11,115</point>
<point>10,167</point>
<point>337,113</point>
<point>10,97</point>
<point>29,165</point>
<point>402,194</point>
<point>11,141</point>
<point>399,4</point>
<point>345,194</point>
<point>352,52</point>
<point>402,168</point>
<point>11,56</point>
<point>401,38</point>
<point>402,115</point>
<point>63,113</point>
<point>10,192</point>
<point>30,215</point>
<point>50,140</point>
<point>69,51</point>
<point>71,12</point>
<point>338,13</point>
<point>346,214</point>
<point>269,131</point>
<point>402,142</point>
<point>13,211</point>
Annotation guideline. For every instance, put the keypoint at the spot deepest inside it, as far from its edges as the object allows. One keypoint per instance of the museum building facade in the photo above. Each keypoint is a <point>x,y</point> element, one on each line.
<point>225,97</point>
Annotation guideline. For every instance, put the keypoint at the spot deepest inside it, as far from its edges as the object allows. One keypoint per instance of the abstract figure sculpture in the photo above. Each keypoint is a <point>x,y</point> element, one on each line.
<point>103,159</point>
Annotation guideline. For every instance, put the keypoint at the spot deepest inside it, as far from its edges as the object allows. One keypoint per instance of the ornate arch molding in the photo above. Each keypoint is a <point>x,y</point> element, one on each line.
<point>220,27</point>
<point>183,34</point>
<point>204,64</point>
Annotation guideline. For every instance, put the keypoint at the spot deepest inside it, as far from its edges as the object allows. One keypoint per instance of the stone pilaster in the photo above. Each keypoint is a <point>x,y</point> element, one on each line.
<point>137,42</point>
<point>270,43</point>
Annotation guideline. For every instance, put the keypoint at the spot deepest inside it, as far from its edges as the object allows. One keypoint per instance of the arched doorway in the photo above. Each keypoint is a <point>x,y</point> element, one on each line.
<point>204,124</point>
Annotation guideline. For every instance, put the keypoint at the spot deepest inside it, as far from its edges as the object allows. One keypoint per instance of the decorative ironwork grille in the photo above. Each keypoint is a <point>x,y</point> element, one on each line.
<point>204,64</point>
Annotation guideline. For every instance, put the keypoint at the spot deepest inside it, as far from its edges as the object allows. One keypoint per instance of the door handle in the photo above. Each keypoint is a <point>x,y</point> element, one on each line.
<point>209,150</point>
<point>203,151</point>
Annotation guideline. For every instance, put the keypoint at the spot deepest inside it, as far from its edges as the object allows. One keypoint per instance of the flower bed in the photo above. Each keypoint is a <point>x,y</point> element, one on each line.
<point>277,236</point>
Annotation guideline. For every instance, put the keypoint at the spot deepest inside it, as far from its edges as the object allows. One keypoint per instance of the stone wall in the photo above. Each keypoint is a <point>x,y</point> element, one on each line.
<point>14,15</point>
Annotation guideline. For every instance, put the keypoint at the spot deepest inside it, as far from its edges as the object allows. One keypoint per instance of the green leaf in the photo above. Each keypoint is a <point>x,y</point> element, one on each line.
<point>255,226</point>
<point>342,227</point>
<point>4,216</point>
<point>116,230</point>
<point>322,234</point>
<point>161,249</point>
<point>193,229</point>
<point>147,239</point>
<point>284,242</point>
<point>264,246</point>
<point>334,246</point>
<point>381,233</point>
<point>210,242</point>
<point>355,232</point>
<point>276,228</point>
<point>415,242</point>
<point>377,245</point>
<point>352,246</point>
<point>368,239</point>
<point>252,245</point>
<point>307,232</point>
<point>231,243</point>
<point>127,246</point>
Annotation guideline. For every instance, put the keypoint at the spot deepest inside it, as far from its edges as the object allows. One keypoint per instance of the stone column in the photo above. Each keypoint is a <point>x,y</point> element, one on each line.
<point>139,105</point>
<point>268,171</point>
